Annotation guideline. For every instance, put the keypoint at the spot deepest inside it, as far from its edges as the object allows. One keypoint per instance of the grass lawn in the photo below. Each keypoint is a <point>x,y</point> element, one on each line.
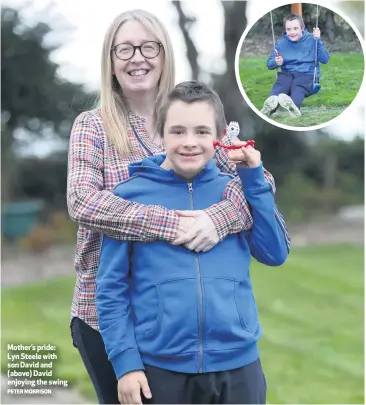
<point>39,314</point>
<point>340,80</point>
<point>311,310</point>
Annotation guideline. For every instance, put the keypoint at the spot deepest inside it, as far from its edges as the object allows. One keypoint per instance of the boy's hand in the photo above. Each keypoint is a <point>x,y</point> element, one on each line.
<point>130,387</point>
<point>279,60</point>
<point>316,33</point>
<point>245,157</point>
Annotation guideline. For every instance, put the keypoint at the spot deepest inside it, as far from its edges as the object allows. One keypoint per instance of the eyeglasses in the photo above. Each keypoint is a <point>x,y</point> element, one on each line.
<point>148,50</point>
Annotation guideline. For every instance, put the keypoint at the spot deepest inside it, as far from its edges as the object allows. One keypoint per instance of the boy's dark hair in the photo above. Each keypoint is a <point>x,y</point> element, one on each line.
<point>292,17</point>
<point>190,92</point>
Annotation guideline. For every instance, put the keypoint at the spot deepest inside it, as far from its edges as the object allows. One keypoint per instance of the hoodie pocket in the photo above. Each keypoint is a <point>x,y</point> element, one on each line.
<point>175,329</point>
<point>246,306</point>
<point>230,312</point>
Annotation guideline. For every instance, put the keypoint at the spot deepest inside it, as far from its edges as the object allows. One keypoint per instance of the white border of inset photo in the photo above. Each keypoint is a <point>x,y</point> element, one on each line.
<point>251,105</point>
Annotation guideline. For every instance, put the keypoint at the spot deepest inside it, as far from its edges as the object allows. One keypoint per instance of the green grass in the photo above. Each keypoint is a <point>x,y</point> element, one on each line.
<point>311,311</point>
<point>39,314</point>
<point>312,315</point>
<point>340,80</point>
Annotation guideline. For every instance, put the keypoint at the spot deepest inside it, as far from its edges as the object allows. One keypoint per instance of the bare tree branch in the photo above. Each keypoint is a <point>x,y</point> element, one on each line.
<point>185,24</point>
<point>236,109</point>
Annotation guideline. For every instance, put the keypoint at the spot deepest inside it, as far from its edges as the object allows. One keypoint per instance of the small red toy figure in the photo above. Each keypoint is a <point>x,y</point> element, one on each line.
<point>219,144</point>
<point>233,130</point>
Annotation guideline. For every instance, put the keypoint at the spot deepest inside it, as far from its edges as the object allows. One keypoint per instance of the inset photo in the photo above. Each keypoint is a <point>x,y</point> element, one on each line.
<point>300,65</point>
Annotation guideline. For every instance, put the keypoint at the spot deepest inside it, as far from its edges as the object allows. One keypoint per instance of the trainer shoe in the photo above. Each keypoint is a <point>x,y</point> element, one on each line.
<point>287,103</point>
<point>270,105</point>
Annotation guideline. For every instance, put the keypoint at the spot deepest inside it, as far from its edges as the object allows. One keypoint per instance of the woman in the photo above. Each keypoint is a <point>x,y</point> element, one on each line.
<point>137,72</point>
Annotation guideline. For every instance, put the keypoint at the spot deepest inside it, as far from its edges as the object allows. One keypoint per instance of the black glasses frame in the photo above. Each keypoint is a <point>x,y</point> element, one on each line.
<point>139,47</point>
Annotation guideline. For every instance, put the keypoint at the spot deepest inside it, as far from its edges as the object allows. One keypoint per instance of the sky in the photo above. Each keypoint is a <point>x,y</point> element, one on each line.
<point>80,50</point>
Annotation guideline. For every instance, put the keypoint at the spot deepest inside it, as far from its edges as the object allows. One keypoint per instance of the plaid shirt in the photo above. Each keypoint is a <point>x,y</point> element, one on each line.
<point>94,169</point>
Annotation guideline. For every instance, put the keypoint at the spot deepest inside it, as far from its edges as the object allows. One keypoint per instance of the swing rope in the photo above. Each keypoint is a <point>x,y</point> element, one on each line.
<point>273,39</point>
<point>316,43</point>
<point>273,36</point>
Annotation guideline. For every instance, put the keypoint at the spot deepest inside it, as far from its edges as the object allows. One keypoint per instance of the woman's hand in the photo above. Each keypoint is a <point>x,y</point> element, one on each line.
<point>130,387</point>
<point>196,231</point>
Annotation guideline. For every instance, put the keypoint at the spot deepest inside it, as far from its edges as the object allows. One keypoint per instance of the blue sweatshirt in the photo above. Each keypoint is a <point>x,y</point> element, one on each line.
<point>176,309</point>
<point>299,57</point>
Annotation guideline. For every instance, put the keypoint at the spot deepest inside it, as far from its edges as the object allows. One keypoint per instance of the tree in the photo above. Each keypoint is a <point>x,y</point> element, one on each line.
<point>34,98</point>
<point>333,27</point>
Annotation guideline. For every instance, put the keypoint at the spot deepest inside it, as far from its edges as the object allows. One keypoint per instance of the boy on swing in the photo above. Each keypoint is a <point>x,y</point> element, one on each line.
<point>182,327</point>
<point>295,54</point>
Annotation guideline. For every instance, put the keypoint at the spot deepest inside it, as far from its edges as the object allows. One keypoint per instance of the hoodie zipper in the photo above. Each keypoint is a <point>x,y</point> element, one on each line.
<point>200,369</point>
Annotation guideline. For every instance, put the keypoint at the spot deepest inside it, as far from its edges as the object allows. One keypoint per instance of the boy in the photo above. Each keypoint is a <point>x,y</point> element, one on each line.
<point>182,326</point>
<point>295,53</point>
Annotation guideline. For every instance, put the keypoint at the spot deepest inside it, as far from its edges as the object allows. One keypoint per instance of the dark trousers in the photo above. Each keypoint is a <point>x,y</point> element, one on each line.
<point>245,385</point>
<point>295,85</point>
<point>90,344</point>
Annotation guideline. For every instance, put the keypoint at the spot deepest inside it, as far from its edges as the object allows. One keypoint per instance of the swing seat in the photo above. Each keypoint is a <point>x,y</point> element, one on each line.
<point>314,89</point>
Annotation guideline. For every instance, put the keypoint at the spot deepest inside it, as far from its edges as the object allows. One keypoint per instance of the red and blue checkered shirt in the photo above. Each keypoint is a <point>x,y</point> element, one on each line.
<point>94,168</point>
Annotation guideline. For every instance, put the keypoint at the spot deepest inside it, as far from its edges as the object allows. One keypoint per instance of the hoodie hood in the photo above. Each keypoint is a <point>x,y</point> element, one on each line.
<point>305,35</point>
<point>151,168</point>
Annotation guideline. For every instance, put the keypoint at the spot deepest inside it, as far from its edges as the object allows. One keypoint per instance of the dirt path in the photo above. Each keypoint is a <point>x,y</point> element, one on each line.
<point>23,267</point>
<point>329,231</point>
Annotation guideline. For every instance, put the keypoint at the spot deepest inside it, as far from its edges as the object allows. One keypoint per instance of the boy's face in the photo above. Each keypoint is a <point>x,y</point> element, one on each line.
<point>293,30</point>
<point>189,133</point>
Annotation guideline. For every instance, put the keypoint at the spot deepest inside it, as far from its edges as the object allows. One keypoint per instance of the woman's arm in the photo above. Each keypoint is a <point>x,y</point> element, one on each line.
<point>232,215</point>
<point>95,208</point>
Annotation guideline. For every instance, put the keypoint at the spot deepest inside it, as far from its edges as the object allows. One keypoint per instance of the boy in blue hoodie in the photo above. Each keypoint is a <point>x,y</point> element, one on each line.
<point>181,326</point>
<point>295,54</point>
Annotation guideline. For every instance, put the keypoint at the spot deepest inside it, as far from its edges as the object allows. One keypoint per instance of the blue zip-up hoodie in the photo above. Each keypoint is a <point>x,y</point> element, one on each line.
<point>299,57</point>
<point>176,309</point>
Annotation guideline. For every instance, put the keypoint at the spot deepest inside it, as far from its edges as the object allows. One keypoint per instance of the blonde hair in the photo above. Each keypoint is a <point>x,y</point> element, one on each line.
<point>114,111</point>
